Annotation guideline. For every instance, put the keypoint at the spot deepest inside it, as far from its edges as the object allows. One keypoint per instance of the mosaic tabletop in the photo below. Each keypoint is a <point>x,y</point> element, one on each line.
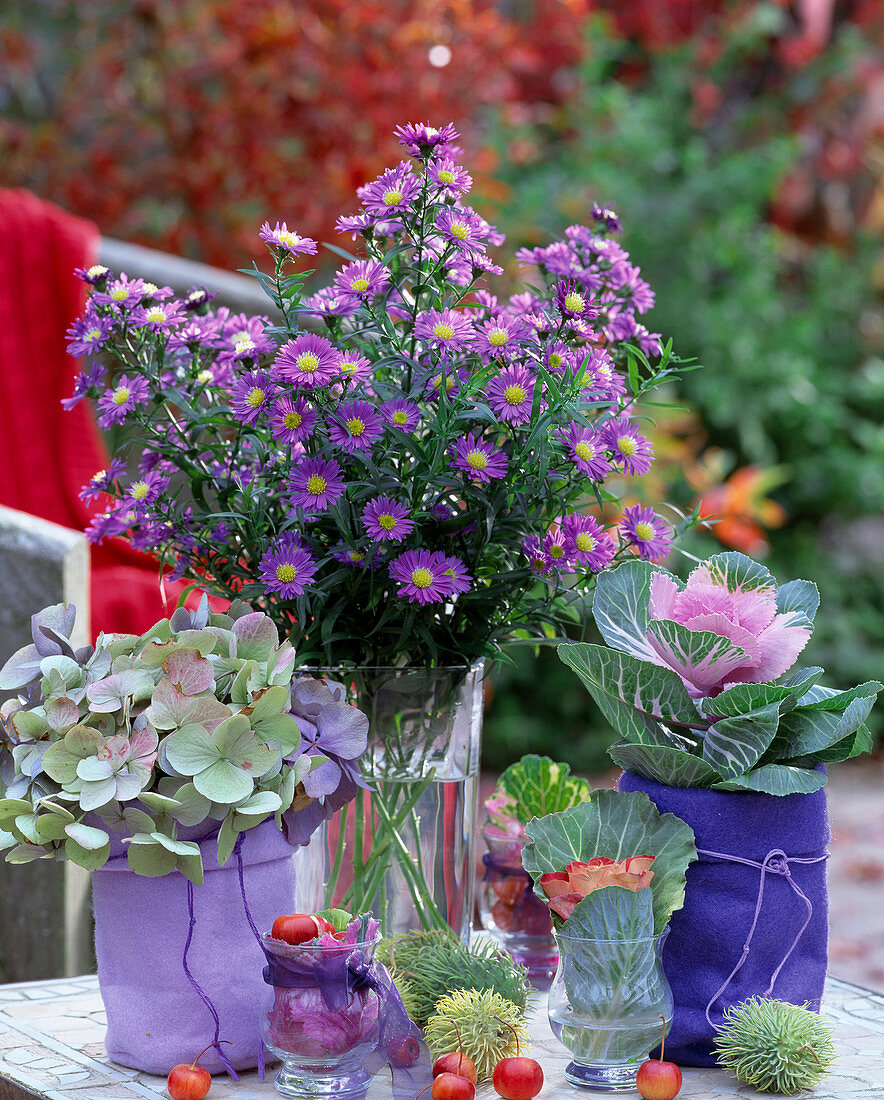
<point>51,1046</point>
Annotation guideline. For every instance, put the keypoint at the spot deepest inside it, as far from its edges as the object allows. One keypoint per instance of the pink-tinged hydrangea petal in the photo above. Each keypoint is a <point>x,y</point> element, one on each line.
<point>779,646</point>
<point>664,592</point>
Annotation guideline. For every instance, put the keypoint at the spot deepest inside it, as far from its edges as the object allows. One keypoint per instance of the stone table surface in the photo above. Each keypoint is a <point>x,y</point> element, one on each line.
<point>52,1047</point>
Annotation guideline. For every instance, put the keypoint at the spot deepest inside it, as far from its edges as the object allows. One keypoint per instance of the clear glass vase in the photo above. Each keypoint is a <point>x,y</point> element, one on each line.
<point>323,1050</point>
<point>404,850</point>
<point>511,911</point>
<point>609,1004</point>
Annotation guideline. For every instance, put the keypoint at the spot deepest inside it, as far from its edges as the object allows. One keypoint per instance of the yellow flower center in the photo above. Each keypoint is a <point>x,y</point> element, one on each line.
<point>93,334</point>
<point>459,230</point>
<point>584,450</point>
<point>442,331</point>
<point>605,371</point>
<point>356,556</point>
<point>584,542</point>
<point>293,420</point>
<point>359,285</point>
<point>255,398</point>
<point>556,551</point>
<point>437,382</point>
<point>121,395</point>
<point>307,362</point>
<point>355,426</point>
<point>286,573</point>
<point>387,521</point>
<point>316,485</point>
<point>626,446</point>
<point>421,578</point>
<point>204,376</point>
<point>150,288</point>
<point>96,270</point>
<point>119,294</point>
<point>477,460</point>
<point>514,395</point>
<point>644,531</point>
<point>497,337</point>
<point>286,237</point>
<point>445,176</point>
<point>574,302</point>
<point>399,418</point>
<point>392,197</point>
<point>100,476</point>
<point>139,490</point>
<point>554,361</point>
<point>242,338</point>
<point>348,368</point>
<point>156,315</point>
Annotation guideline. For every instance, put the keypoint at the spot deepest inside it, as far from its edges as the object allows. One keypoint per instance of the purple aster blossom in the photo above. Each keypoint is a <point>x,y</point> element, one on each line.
<point>85,381</point>
<point>511,395</point>
<point>158,316</point>
<point>444,330</point>
<point>520,305</point>
<point>500,335</point>
<point>446,380</point>
<point>587,542</point>
<point>477,459</point>
<point>385,520</point>
<point>287,568</point>
<point>607,217</point>
<point>601,377</point>
<point>116,403</point>
<point>121,293</point>
<point>280,236</point>
<point>354,426</point>
<point>252,394</point>
<point>307,361</point>
<point>574,302</point>
<point>449,177</point>
<point>586,449</point>
<point>357,225</point>
<point>558,358</point>
<point>362,280</point>
<point>94,275</point>
<point>292,420</point>
<point>315,483</point>
<point>423,140</point>
<point>456,576</point>
<point>555,546</point>
<point>631,449</point>
<point>103,481</point>
<point>327,302</point>
<point>243,337</point>
<point>620,323</point>
<point>106,525</point>
<point>157,293</point>
<point>538,559</point>
<point>88,333</point>
<point>646,533</point>
<point>355,367</point>
<point>142,492</point>
<point>220,532</point>
<point>485,304</point>
<point>401,414</point>
<point>198,298</point>
<point>393,192</point>
<point>650,342</point>
<point>149,537</point>
<point>463,228</point>
<point>422,575</point>
<point>355,558</point>
<point>626,278</point>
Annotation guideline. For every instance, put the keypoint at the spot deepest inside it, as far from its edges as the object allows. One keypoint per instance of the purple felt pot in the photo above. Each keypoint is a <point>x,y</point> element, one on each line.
<point>156,1017</point>
<point>752,924</point>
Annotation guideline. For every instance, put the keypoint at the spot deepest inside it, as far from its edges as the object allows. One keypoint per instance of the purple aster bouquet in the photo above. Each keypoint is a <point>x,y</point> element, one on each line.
<point>406,471</point>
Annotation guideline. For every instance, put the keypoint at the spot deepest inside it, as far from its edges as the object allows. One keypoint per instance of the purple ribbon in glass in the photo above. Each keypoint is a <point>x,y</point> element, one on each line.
<point>776,862</point>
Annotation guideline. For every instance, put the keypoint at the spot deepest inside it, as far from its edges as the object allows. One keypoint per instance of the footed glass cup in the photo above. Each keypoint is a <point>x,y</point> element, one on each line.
<point>323,1050</point>
<point>608,1004</point>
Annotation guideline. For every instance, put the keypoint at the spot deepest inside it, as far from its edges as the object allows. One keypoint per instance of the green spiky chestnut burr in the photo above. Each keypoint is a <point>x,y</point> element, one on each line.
<point>485,1025</point>
<point>774,1046</point>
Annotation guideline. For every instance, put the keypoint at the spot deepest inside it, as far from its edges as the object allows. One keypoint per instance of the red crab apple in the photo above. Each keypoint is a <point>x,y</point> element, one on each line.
<point>190,1082</point>
<point>517,1078</point>
<point>448,1086</point>
<point>299,927</point>
<point>458,1064</point>
<point>659,1080</point>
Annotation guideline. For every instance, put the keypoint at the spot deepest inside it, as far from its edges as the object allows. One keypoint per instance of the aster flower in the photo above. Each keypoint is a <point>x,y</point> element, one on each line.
<point>645,532</point>
<point>85,381</point>
<point>602,380</point>
<point>511,395</point>
<point>558,358</point>
<point>423,576</point>
<point>105,525</point>
<point>392,192</point>
<point>355,558</point>
<point>574,302</point>
<point>538,559</point>
<point>445,329</point>
<point>144,491</point>
<point>423,140</point>
<point>449,177</point>
<point>355,367</point>
<point>94,275</point>
<point>649,342</point>
<point>315,483</point>
<point>197,298</point>
<point>631,449</point>
<point>307,361</point>
<point>327,302</point>
<point>121,293</point>
<point>385,520</point>
<point>88,333</point>
<point>446,380</point>
<point>102,481</point>
<point>116,403</point>
<point>607,217</point>
<point>362,280</point>
<point>243,337</point>
<point>355,426</point>
<point>556,548</point>
<point>479,460</point>
<point>455,575</point>
<point>157,316</point>
<point>500,335</point>
<point>463,228</point>
<point>252,395</point>
<point>283,237</point>
<point>292,420</point>
<point>401,414</point>
<point>586,449</point>
<point>587,542</point>
<point>287,568</point>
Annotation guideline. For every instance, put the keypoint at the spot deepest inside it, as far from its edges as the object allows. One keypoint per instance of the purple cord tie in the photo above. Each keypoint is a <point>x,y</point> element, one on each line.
<point>775,862</point>
<point>206,1000</point>
<point>237,851</point>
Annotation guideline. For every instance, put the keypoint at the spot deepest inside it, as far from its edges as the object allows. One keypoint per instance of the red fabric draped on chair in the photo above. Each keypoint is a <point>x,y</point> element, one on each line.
<point>49,454</point>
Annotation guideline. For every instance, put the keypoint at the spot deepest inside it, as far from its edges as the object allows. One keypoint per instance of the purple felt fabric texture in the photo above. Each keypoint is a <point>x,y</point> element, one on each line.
<point>155,1018</point>
<point>708,934</point>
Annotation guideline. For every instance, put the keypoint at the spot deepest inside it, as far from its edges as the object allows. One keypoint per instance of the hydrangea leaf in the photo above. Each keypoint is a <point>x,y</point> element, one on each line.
<point>282,665</point>
<point>51,827</point>
<point>54,808</point>
<point>191,867</point>
<point>620,607</point>
<point>192,749</point>
<point>22,668</point>
<point>61,675</point>
<point>29,725</point>
<point>227,835</point>
<point>93,770</point>
<point>188,672</point>
<point>25,827</point>
<point>86,835</point>
<point>778,779</point>
<point>245,683</point>
<point>674,767</point>
<point>271,702</point>
<point>256,637</point>
<point>192,807</point>
<point>159,802</point>
<point>62,757</point>
<point>26,853</point>
<point>260,804</point>
<point>177,847</point>
<point>94,795</point>
<point>62,713</point>
<point>224,782</point>
<point>170,710</point>
<point>108,695</point>
<point>616,825</point>
<point>236,743</point>
<point>146,857</point>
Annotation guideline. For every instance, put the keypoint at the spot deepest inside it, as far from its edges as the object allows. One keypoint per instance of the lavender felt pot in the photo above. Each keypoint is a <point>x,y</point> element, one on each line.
<point>155,1016</point>
<point>743,930</point>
